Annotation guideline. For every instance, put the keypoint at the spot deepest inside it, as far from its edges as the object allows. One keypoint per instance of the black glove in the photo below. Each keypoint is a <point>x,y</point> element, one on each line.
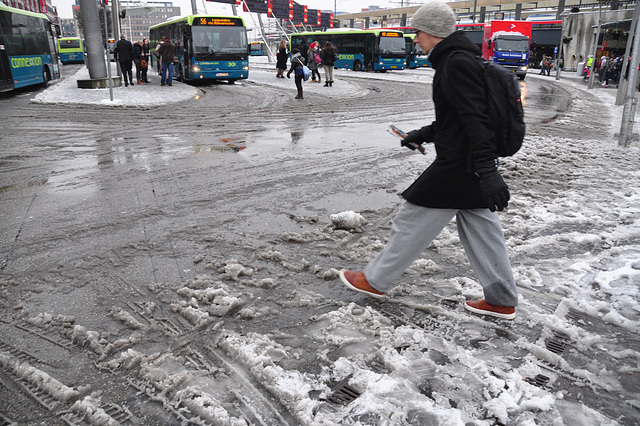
<point>494,192</point>
<point>412,140</point>
<point>288,75</point>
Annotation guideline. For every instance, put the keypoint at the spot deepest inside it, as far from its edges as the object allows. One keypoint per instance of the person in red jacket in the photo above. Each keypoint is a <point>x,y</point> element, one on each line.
<point>462,182</point>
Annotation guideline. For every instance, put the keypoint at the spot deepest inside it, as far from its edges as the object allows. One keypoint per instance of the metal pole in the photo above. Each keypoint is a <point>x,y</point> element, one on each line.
<point>622,81</point>
<point>106,50</point>
<point>194,8</point>
<point>628,114</point>
<point>93,38</point>
<point>594,49</point>
<point>561,53</point>
<point>115,20</point>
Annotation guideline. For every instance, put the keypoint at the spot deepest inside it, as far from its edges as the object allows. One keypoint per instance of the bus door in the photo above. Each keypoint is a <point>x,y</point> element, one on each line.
<point>188,51</point>
<point>53,48</point>
<point>6,80</point>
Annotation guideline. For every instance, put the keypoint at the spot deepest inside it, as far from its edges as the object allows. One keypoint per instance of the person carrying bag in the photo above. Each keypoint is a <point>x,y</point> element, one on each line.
<point>298,68</point>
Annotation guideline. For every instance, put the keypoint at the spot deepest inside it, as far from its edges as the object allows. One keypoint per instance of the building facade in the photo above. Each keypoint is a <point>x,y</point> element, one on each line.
<point>135,25</point>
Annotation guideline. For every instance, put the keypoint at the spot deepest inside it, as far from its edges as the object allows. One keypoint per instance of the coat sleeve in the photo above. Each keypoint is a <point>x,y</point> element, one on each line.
<point>464,81</point>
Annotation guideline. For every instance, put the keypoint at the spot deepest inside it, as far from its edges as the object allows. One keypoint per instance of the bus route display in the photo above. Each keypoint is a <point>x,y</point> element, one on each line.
<point>217,21</point>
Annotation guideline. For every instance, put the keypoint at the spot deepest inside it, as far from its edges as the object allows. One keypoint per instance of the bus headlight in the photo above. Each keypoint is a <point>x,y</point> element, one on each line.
<point>246,68</point>
<point>195,69</point>
<point>523,68</point>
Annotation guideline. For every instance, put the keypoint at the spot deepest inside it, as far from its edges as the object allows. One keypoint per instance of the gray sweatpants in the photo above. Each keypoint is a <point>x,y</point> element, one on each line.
<point>413,229</point>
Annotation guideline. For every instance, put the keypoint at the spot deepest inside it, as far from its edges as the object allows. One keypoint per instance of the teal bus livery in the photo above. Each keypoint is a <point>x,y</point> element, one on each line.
<point>207,47</point>
<point>27,49</point>
<point>361,50</point>
<point>416,58</point>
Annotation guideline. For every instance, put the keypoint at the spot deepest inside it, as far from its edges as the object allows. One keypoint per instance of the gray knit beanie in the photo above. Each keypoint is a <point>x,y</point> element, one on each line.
<point>435,18</point>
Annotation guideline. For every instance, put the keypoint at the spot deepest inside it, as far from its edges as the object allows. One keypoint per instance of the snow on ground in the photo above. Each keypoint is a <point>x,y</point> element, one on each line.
<point>458,369</point>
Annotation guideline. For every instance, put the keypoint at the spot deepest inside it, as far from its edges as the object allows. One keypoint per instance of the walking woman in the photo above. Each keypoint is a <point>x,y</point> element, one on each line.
<point>281,59</point>
<point>145,60</point>
<point>329,58</point>
<point>296,68</point>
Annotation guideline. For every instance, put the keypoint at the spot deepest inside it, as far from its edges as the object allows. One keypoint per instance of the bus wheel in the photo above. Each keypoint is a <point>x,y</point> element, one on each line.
<point>46,76</point>
<point>357,66</point>
<point>232,81</point>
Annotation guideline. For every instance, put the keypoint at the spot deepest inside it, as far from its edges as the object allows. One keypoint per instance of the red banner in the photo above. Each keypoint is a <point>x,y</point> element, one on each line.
<point>306,14</point>
<point>291,9</point>
<point>270,8</point>
<point>319,20</point>
<point>331,20</point>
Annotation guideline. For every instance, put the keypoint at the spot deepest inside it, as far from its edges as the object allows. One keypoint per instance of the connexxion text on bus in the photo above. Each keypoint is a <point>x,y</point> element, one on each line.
<point>27,49</point>
<point>370,50</point>
<point>507,43</point>
<point>207,47</point>
<point>70,50</point>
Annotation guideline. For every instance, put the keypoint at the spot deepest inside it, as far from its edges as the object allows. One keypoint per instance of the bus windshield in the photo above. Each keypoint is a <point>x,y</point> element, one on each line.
<point>392,45</point>
<point>209,42</point>
<point>69,44</point>
<point>504,45</point>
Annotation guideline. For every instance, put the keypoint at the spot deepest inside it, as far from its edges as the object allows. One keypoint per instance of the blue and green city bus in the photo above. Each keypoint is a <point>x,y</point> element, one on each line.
<point>416,58</point>
<point>27,49</point>
<point>256,48</point>
<point>360,50</point>
<point>207,47</point>
<point>70,50</point>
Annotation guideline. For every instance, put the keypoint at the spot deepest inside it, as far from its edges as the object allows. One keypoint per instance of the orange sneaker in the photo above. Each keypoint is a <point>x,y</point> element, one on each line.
<point>483,308</point>
<point>358,282</point>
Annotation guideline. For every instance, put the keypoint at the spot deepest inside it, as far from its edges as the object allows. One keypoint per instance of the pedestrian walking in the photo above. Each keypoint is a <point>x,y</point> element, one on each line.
<point>329,57</point>
<point>137,59</point>
<point>123,53</point>
<point>297,68</point>
<point>462,182</point>
<point>144,62</point>
<point>166,53</point>
<point>281,59</point>
<point>314,62</point>
<point>602,68</point>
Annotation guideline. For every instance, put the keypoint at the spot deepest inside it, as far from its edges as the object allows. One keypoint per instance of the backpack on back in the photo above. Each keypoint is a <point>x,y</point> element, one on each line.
<point>504,103</point>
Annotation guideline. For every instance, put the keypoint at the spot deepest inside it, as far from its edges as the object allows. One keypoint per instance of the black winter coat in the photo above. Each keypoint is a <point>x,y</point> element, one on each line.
<point>460,132</point>
<point>282,58</point>
<point>328,56</point>
<point>124,50</point>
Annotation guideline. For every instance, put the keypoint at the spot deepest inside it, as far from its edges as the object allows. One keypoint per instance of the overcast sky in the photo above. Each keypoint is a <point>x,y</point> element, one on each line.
<point>64,6</point>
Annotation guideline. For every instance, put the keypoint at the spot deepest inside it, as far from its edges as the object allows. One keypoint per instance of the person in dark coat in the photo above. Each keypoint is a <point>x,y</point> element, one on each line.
<point>281,59</point>
<point>137,58</point>
<point>329,58</point>
<point>304,50</point>
<point>124,54</point>
<point>296,68</point>
<point>462,182</point>
<point>166,51</point>
<point>144,61</point>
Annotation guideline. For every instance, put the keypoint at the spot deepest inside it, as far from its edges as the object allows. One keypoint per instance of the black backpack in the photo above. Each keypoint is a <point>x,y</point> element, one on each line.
<point>505,106</point>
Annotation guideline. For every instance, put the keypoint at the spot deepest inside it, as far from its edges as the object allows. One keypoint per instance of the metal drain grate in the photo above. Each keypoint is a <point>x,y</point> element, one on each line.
<point>343,394</point>
<point>558,343</point>
<point>540,380</point>
<point>573,315</point>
